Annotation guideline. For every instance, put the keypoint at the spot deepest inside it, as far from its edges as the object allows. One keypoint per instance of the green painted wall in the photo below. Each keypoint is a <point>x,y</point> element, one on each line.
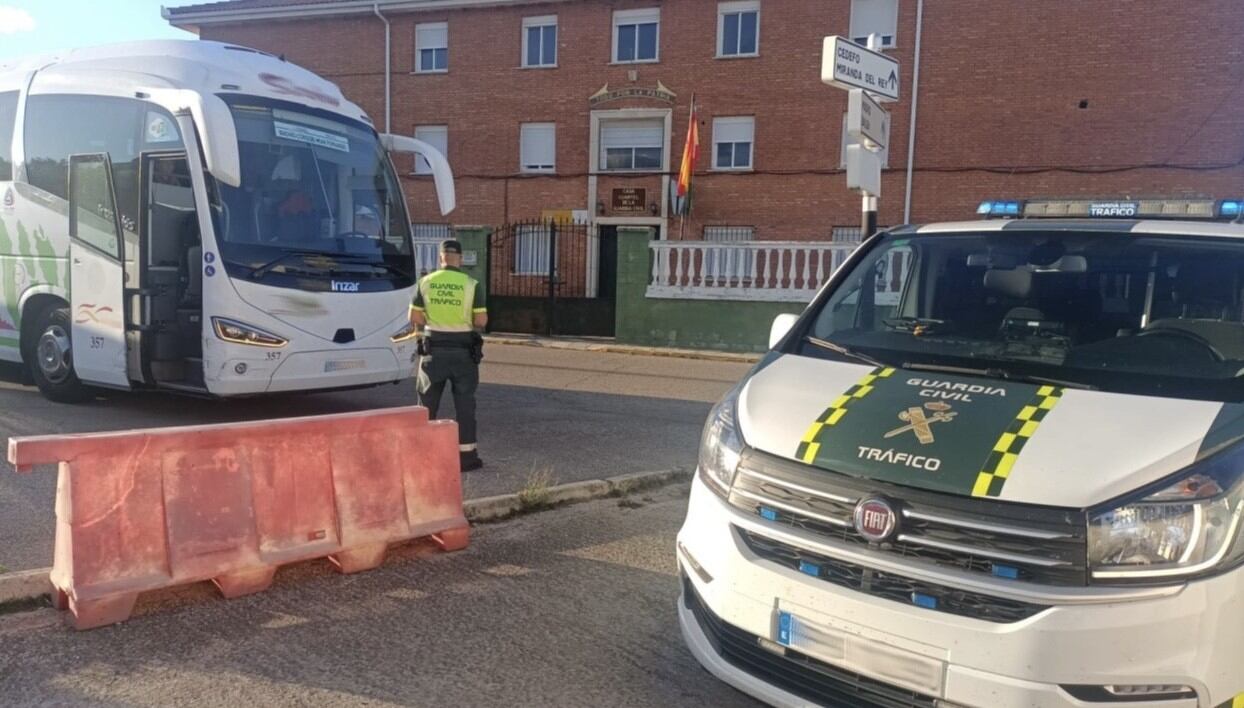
<point>727,325</point>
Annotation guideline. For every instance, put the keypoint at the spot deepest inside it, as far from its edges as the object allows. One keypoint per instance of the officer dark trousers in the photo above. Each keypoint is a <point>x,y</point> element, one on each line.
<point>453,365</point>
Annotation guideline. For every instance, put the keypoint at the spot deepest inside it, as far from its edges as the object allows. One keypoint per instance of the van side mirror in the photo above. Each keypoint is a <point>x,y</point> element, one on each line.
<point>782,325</point>
<point>442,175</point>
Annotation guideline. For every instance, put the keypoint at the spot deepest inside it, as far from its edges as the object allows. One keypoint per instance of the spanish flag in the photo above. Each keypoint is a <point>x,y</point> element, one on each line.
<point>690,152</point>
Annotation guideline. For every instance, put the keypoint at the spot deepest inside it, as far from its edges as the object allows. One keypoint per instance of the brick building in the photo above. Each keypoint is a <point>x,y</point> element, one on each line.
<point>581,106</point>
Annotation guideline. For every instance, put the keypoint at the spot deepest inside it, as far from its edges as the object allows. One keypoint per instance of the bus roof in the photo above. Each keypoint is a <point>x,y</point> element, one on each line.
<point>204,67</point>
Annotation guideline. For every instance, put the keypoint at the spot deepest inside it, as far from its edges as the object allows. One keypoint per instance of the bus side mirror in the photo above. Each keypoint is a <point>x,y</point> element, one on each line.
<point>782,325</point>
<point>442,174</point>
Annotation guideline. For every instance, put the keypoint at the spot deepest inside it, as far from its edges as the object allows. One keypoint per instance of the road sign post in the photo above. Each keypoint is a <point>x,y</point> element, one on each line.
<point>869,76</point>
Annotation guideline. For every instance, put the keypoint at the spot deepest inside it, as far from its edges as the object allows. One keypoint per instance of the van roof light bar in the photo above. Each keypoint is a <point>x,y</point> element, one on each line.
<point>1187,209</point>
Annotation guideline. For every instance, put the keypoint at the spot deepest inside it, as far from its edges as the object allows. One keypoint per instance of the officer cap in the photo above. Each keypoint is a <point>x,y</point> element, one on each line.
<point>451,246</point>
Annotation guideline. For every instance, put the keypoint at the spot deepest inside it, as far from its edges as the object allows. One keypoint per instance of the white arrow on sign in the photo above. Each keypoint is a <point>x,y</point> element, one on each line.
<point>867,121</point>
<point>847,65</point>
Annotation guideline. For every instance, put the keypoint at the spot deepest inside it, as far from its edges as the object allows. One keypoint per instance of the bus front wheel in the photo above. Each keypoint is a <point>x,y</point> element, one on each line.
<point>49,356</point>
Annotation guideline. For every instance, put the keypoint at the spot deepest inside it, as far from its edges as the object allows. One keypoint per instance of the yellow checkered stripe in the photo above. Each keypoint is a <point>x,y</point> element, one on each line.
<point>1006,451</point>
<point>810,444</point>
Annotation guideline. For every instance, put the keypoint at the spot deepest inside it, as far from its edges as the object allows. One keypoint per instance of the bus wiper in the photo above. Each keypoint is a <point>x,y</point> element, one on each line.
<point>998,373</point>
<point>352,260</point>
<point>260,271</point>
<point>844,351</point>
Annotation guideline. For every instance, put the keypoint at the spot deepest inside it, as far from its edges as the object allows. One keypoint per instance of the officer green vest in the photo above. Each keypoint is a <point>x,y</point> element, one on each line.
<point>449,300</point>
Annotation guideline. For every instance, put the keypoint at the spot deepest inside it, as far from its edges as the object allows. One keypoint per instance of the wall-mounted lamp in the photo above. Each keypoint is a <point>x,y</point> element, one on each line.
<point>653,208</point>
<point>600,207</point>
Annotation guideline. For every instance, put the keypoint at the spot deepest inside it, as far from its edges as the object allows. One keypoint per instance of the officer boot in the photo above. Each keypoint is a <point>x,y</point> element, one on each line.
<point>470,461</point>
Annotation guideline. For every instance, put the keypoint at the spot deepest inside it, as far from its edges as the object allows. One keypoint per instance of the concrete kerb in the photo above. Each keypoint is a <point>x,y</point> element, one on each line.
<point>593,346</point>
<point>21,589</point>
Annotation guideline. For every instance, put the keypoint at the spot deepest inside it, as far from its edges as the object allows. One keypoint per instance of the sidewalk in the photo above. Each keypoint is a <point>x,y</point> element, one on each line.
<point>603,344</point>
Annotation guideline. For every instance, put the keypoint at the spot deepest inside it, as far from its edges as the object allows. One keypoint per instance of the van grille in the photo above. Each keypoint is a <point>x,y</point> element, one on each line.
<point>1041,545</point>
<point>890,586</point>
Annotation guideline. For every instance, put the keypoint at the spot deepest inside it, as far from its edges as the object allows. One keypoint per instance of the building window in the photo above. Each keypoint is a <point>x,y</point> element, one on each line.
<point>730,265</point>
<point>540,41</point>
<point>636,35</point>
<point>848,140</point>
<point>537,151</point>
<point>632,144</point>
<point>874,17</point>
<point>531,250</point>
<point>432,47</point>
<point>435,135</point>
<point>732,143</point>
<point>738,29</point>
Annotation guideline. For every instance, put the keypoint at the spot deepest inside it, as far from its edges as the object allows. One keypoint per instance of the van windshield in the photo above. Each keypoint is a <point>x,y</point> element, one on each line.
<point>318,198</point>
<point>1122,312</point>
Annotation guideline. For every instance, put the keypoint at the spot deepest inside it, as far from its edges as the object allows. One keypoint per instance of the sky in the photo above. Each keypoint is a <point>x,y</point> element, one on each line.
<point>37,26</point>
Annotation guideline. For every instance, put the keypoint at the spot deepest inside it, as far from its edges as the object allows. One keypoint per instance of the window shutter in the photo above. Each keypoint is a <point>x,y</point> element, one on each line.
<point>432,36</point>
<point>733,130</point>
<point>538,146</point>
<point>632,134</point>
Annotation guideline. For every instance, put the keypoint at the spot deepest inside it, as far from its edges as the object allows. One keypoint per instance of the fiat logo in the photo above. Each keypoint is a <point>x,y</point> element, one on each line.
<point>875,519</point>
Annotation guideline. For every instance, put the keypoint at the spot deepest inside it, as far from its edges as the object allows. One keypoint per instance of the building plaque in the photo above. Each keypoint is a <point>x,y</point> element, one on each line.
<point>630,200</point>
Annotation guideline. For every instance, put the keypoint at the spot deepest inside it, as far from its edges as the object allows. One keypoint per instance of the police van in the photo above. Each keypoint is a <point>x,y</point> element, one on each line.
<point>996,463</point>
<point>200,217</point>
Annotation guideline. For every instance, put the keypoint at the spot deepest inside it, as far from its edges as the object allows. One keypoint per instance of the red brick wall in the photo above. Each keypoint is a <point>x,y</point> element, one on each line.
<point>1000,89</point>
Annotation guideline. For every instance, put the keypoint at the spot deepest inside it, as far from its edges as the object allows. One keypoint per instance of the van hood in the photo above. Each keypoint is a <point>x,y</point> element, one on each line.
<point>365,313</point>
<point>977,436</point>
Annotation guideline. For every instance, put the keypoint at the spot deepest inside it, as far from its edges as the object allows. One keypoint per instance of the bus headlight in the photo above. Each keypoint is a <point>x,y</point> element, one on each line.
<point>404,334</point>
<point>1186,528</point>
<point>239,333</point>
<point>721,446</point>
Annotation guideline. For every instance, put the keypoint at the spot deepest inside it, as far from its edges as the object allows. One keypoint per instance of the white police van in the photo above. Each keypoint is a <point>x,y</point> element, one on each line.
<point>994,464</point>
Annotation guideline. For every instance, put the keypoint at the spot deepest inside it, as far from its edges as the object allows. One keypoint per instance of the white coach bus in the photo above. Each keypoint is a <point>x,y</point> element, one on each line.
<point>203,218</point>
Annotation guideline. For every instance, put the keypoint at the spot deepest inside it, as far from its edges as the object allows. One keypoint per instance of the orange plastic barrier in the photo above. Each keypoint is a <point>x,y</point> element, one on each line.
<point>148,509</point>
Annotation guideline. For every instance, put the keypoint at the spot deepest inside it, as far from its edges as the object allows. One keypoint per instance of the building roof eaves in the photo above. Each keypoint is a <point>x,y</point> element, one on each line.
<point>248,10</point>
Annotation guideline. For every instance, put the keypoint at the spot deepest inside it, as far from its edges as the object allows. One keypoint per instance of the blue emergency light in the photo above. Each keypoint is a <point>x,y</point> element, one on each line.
<point>1231,208</point>
<point>1001,208</point>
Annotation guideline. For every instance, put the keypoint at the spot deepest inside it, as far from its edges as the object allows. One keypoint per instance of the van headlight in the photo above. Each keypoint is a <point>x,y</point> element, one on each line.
<point>1188,527</point>
<point>404,334</point>
<point>241,333</point>
<point>721,446</point>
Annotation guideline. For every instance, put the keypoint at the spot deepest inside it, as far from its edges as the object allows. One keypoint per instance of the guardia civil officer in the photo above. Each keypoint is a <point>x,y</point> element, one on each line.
<point>449,309</point>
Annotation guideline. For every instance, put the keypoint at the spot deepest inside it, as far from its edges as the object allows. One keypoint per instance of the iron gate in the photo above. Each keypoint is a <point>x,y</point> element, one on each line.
<point>546,277</point>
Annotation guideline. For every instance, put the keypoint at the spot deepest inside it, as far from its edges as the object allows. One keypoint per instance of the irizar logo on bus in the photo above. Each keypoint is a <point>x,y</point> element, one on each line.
<point>345,286</point>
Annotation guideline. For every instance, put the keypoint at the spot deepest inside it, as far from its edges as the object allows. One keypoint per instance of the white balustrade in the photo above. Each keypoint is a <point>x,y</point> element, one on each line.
<point>772,271</point>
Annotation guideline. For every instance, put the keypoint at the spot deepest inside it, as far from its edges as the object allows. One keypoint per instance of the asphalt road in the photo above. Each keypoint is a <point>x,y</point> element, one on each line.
<point>572,415</point>
<point>572,607</point>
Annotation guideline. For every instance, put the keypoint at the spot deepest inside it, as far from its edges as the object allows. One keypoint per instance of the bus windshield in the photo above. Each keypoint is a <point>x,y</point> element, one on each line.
<point>1122,312</point>
<point>318,200</point>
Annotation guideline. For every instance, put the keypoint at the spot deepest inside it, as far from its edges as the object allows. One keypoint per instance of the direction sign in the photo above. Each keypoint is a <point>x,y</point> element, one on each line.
<point>864,170</point>
<point>847,65</point>
<point>867,120</point>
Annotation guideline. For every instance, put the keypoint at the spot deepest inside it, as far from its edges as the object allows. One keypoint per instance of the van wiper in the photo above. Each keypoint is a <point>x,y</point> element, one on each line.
<point>260,271</point>
<point>844,351</point>
<point>998,373</point>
